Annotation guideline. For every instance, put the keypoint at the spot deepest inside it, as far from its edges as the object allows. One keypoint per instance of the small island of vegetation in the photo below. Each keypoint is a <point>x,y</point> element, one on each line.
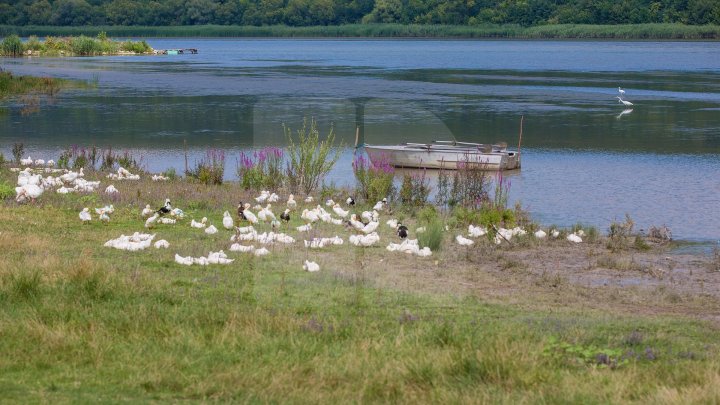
<point>72,46</point>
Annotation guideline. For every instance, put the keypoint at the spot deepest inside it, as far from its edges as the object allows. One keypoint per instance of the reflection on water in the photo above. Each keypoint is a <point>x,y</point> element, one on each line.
<point>586,157</point>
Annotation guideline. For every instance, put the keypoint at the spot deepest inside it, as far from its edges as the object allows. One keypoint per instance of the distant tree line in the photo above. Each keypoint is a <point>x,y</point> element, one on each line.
<point>336,12</point>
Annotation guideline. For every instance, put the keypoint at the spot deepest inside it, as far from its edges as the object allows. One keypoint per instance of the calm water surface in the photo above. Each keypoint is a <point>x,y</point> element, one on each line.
<point>586,158</point>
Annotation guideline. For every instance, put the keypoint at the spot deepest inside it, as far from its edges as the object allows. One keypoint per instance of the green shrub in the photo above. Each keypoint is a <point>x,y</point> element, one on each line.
<point>211,169</point>
<point>414,190</point>
<point>85,46</point>
<point>6,191</point>
<point>374,179</point>
<point>18,150</point>
<point>137,47</point>
<point>433,235</point>
<point>33,43</point>
<point>11,46</point>
<point>309,159</point>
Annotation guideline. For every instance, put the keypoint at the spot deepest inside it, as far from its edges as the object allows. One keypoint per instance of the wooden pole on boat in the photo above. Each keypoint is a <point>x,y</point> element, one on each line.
<point>520,137</point>
<point>357,136</point>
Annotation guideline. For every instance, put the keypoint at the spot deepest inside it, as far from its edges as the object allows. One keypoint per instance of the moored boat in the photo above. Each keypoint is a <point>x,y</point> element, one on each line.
<point>445,155</point>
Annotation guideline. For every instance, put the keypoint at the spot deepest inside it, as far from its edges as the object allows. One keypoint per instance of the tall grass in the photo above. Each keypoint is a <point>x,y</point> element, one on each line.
<point>374,180</point>
<point>309,158</point>
<point>513,31</point>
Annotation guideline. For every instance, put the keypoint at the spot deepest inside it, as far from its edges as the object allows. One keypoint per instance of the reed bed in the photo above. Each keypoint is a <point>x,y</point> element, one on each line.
<point>667,31</point>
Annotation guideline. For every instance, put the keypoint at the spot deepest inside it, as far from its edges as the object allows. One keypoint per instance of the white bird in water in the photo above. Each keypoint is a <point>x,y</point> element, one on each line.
<point>624,102</point>
<point>621,91</point>
<point>228,221</point>
<point>311,266</point>
<point>624,112</point>
<point>85,216</point>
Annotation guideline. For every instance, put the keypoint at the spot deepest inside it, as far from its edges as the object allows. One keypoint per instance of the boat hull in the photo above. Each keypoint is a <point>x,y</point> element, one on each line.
<point>444,158</point>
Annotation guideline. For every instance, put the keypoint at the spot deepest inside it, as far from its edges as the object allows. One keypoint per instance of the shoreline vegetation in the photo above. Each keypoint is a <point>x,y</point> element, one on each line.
<point>613,319</point>
<point>81,45</point>
<point>659,31</point>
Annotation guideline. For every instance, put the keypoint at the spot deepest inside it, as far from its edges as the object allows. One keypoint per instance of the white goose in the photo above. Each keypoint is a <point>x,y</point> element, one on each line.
<point>291,203</point>
<point>228,222</point>
<point>150,222</point>
<point>339,211</point>
<point>311,266</point>
<point>464,241</point>
<point>85,216</point>
<point>249,216</point>
<point>198,225</point>
<point>147,211</point>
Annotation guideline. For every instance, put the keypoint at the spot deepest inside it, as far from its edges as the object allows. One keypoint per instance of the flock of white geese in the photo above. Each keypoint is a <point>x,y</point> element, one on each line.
<point>244,237</point>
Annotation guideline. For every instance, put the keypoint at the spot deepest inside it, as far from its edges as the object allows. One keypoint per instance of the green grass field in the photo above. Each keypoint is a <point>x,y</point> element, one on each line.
<point>509,31</point>
<point>80,322</point>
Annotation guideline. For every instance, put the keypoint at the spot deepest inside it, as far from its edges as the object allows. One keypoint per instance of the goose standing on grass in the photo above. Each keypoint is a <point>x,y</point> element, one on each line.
<point>104,217</point>
<point>211,230</point>
<point>329,202</point>
<point>380,205</point>
<point>150,222</point>
<point>624,102</point>
<point>165,209</point>
<point>147,211</point>
<point>402,231</point>
<point>291,203</point>
<point>240,211</point>
<point>309,199</point>
<point>269,215</point>
<point>370,227</point>
<point>228,221</point>
<point>85,216</point>
<point>285,216</point>
<point>249,216</point>
<point>540,234</point>
<point>350,201</point>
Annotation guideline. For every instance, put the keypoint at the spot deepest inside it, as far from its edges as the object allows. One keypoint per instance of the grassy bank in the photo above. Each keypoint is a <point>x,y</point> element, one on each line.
<point>82,322</point>
<point>560,31</point>
<point>81,45</point>
<point>12,85</point>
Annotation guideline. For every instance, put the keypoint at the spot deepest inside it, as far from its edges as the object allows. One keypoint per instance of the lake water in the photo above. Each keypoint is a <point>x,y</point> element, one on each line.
<point>585,157</point>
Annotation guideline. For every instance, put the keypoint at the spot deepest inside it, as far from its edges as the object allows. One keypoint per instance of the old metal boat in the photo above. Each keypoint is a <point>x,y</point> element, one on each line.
<point>445,155</point>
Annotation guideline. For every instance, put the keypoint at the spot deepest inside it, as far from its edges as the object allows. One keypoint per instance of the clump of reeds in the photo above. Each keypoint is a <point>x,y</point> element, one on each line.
<point>309,158</point>
<point>210,169</point>
<point>262,169</point>
<point>374,179</point>
<point>415,190</point>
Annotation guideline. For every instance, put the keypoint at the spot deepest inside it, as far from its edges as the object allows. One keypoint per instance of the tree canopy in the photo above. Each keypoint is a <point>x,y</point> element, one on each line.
<point>336,12</point>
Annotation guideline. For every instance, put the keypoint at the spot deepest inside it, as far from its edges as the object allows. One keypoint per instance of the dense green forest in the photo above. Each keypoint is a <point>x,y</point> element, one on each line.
<point>299,13</point>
